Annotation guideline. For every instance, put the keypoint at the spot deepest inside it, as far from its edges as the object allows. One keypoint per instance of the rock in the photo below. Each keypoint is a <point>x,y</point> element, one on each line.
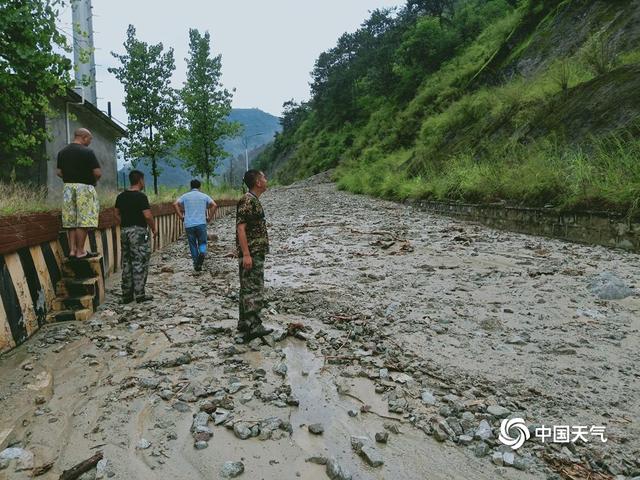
<point>371,455</point>
<point>384,374</point>
<point>318,460</point>
<point>232,469</point>
<point>516,340</point>
<point>608,286</point>
<point>509,459</point>
<point>316,429</point>
<point>484,431</point>
<point>24,457</point>
<point>235,387</point>
<point>143,444</point>
<point>104,469</point>
<point>465,440</point>
<point>280,369</point>
<point>220,416</point>
<point>382,437</point>
<point>358,442</point>
<point>40,400</point>
<point>353,413</point>
<point>497,458</point>
<point>181,407</point>
<point>498,411</point>
<point>242,430</point>
<point>481,450</point>
<point>203,434</point>
<point>428,398</point>
<point>166,394</point>
<point>201,445</point>
<point>336,472</point>
<point>200,420</point>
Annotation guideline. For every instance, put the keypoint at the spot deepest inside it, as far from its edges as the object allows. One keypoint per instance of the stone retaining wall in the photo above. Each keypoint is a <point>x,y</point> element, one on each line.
<point>32,251</point>
<point>596,228</point>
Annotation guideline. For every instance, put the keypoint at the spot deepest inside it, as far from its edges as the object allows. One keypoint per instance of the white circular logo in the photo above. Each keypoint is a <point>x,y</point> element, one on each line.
<point>520,427</point>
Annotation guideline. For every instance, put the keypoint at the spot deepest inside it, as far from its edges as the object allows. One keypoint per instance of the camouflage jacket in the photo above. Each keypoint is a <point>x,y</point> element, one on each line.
<point>249,211</point>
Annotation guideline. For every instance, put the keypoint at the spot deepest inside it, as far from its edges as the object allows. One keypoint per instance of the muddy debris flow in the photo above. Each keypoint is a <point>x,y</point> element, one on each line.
<point>402,341</point>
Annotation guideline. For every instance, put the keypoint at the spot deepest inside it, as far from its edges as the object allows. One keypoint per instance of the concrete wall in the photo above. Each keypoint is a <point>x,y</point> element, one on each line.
<point>104,145</point>
<point>596,228</point>
<point>30,272</point>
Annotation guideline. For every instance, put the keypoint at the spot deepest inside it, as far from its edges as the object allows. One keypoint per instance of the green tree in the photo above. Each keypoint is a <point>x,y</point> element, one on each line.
<point>150,101</point>
<point>32,73</point>
<point>206,106</point>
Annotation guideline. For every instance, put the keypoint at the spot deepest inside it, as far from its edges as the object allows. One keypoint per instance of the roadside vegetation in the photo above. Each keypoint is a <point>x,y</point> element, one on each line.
<point>20,199</point>
<point>479,101</point>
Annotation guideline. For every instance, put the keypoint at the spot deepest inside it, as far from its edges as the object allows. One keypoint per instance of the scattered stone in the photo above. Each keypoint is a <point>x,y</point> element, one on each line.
<point>242,430</point>
<point>280,369</point>
<point>382,437</point>
<point>232,469</point>
<point>104,469</point>
<point>201,445</point>
<point>484,431</point>
<point>497,459</point>
<point>508,459</point>
<point>465,440</point>
<point>316,429</point>
<point>481,450</point>
<point>498,411</point>
<point>318,460</point>
<point>353,413</point>
<point>24,458</point>
<point>336,472</point>
<point>428,398</point>
<point>143,444</point>
<point>166,394</point>
<point>371,456</point>
<point>608,286</point>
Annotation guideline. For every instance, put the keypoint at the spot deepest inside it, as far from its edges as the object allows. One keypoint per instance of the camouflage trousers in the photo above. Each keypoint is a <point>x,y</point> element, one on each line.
<point>251,295</point>
<point>136,251</point>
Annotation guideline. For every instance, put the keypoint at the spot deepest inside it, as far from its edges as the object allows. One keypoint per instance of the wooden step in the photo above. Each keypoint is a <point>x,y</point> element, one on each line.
<point>78,302</point>
<point>85,268</point>
<point>77,287</point>
<point>70,316</point>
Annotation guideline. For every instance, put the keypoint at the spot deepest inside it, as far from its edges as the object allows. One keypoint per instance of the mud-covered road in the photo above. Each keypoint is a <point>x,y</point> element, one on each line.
<point>419,334</point>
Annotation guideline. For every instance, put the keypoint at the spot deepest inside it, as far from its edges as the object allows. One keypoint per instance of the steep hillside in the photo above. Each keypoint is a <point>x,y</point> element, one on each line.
<point>530,102</point>
<point>259,129</point>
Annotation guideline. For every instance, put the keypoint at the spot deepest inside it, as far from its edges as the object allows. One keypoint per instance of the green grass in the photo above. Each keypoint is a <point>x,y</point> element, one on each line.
<point>20,199</point>
<point>602,174</point>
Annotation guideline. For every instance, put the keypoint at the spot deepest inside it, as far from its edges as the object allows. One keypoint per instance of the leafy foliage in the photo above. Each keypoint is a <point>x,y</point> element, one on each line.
<point>206,108</point>
<point>150,100</point>
<point>32,73</point>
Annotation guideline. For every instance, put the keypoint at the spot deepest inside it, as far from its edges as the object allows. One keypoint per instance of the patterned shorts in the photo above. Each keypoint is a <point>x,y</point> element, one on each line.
<point>80,208</point>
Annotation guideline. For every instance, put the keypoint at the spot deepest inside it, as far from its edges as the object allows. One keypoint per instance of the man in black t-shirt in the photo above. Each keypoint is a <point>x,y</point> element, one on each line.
<point>79,169</point>
<point>134,214</point>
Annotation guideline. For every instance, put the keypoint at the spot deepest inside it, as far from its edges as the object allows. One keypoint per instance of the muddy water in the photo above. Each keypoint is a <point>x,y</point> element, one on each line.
<point>489,317</point>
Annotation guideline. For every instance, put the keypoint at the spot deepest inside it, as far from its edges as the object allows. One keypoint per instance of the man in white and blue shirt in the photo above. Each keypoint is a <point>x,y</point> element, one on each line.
<point>196,209</point>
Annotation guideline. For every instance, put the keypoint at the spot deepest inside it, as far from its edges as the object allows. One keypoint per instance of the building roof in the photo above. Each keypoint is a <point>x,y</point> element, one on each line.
<point>73,96</point>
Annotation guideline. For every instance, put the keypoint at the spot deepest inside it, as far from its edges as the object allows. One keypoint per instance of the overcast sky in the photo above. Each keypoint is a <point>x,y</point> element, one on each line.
<point>268,47</point>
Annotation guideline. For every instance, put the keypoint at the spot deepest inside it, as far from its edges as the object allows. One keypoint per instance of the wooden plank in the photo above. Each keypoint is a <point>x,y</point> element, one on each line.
<point>22,291</point>
<point>6,338</point>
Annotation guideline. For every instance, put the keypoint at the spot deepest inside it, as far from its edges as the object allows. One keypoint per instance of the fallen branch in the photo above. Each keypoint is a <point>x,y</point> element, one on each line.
<point>82,467</point>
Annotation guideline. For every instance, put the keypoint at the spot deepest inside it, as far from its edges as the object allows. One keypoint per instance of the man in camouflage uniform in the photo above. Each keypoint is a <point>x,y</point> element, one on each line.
<point>134,212</point>
<point>252,242</point>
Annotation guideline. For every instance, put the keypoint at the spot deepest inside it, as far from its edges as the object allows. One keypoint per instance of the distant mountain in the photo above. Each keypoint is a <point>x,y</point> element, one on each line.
<point>259,129</point>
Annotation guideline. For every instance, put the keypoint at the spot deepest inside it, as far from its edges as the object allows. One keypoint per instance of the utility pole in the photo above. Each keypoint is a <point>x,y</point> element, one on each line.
<point>245,141</point>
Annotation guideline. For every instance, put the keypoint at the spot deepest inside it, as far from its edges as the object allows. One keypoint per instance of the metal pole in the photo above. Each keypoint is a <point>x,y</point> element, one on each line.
<point>246,158</point>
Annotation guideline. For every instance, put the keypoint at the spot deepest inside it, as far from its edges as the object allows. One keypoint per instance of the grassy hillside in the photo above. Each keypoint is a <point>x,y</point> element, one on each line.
<point>530,102</point>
